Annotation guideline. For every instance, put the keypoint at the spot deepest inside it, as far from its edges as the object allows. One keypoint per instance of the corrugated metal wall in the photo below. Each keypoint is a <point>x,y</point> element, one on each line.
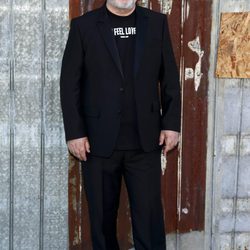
<point>33,156</point>
<point>228,192</point>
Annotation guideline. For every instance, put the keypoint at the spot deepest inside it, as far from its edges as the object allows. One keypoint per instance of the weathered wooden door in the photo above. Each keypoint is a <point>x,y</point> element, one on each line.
<point>183,183</point>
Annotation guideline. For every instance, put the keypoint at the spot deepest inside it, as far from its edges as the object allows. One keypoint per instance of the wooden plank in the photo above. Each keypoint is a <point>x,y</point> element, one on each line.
<point>234,46</point>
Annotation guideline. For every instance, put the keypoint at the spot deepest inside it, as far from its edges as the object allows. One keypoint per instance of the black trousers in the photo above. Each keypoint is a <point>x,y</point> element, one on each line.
<point>102,183</point>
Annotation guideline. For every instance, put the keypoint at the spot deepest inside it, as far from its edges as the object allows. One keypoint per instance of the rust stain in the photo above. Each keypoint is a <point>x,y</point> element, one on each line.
<point>166,6</point>
<point>74,8</point>
<point>74,194</point>
<point>163,164</point>
<point>195,27</point>
<point>169,179</point>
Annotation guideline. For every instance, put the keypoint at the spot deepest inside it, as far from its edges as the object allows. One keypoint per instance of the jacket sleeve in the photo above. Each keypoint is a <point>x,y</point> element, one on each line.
<point>70,80</point>
<point>169,85</point>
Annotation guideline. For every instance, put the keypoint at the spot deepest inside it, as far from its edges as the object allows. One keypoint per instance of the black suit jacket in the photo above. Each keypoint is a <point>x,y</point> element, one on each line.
<point>92,80</point>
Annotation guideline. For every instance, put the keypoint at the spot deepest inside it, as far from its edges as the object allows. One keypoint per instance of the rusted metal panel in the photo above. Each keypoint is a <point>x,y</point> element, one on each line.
<point>170,183</point>
<point>74,8</point>
<point>196,21</point>
<point>74,203</point>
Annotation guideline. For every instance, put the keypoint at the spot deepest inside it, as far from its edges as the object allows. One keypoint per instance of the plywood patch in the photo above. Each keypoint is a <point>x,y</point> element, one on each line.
<point>234,46</point>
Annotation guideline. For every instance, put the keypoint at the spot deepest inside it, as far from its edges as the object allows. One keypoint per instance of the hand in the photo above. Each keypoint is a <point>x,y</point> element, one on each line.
<point>171,139</point>
<point>79,147</point>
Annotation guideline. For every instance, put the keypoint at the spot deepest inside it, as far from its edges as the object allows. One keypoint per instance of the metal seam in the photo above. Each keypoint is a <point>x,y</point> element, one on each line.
<point>237,167</point>
<point>11,117</point>
<point>214,173</point>
<point>42,145</point>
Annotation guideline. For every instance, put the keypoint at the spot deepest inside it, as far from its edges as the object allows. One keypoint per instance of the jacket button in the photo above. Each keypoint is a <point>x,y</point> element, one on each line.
<point>121,89</point>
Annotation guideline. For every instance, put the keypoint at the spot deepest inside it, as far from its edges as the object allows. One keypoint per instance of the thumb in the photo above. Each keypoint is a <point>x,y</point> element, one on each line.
<point>161,139</point>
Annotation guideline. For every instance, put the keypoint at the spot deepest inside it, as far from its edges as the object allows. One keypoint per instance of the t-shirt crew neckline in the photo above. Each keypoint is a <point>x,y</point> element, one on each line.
<point>118,16</point>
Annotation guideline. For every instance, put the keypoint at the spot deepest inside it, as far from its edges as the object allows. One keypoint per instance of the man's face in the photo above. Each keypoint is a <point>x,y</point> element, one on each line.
<point>122,4</point>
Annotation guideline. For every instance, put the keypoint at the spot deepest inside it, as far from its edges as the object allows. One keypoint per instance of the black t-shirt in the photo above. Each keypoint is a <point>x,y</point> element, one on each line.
<point>124,31</point>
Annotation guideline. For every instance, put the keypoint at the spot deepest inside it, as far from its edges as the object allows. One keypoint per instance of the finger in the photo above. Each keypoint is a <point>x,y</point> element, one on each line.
<point>171,145</point>
<point>175,144</point>
<point>161,138</point>
<point>87,146</point>
<point>168,144</point>
<point>71,149</point>
<point>165,151</point>
<point>74,150</point>
<point>83,153</point>
<point>78,156</point>
<point>75,153</point>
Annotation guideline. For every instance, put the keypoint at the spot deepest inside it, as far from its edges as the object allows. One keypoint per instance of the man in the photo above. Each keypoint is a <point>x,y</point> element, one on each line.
<point>117,120</point>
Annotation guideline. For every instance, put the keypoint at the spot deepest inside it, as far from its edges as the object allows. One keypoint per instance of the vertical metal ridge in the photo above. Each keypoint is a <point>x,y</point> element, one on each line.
<point>11,117</point>
<point>212,130</point>
<point>237,167</point>
<point>43,53</point>
<point>182,81</point>
<point>213,228</point>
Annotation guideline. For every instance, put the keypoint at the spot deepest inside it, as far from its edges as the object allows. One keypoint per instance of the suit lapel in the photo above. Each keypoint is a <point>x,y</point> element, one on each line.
<point>141,32</point>
<point>104,26</point>
<point>105,30</point>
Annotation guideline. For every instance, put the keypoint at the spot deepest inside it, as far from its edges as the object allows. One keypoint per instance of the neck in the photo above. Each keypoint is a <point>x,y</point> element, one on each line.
<point>119,11</point>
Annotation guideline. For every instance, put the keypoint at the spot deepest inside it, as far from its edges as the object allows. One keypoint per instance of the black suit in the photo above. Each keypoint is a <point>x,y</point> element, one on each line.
<point>91,85</point>
<point>92,81</point>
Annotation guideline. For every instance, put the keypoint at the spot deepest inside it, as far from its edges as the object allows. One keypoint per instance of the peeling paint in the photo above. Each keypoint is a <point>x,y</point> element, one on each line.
<point>163,163</point>
<point>166,6</point>
<point>189,73</point>
<point>76,240</point>
<point>144,3</point>
<point>184,210</point>
<point>196,47</point>
<point>163,159</point>
<point>150,6</point>
<point>187,10</point>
